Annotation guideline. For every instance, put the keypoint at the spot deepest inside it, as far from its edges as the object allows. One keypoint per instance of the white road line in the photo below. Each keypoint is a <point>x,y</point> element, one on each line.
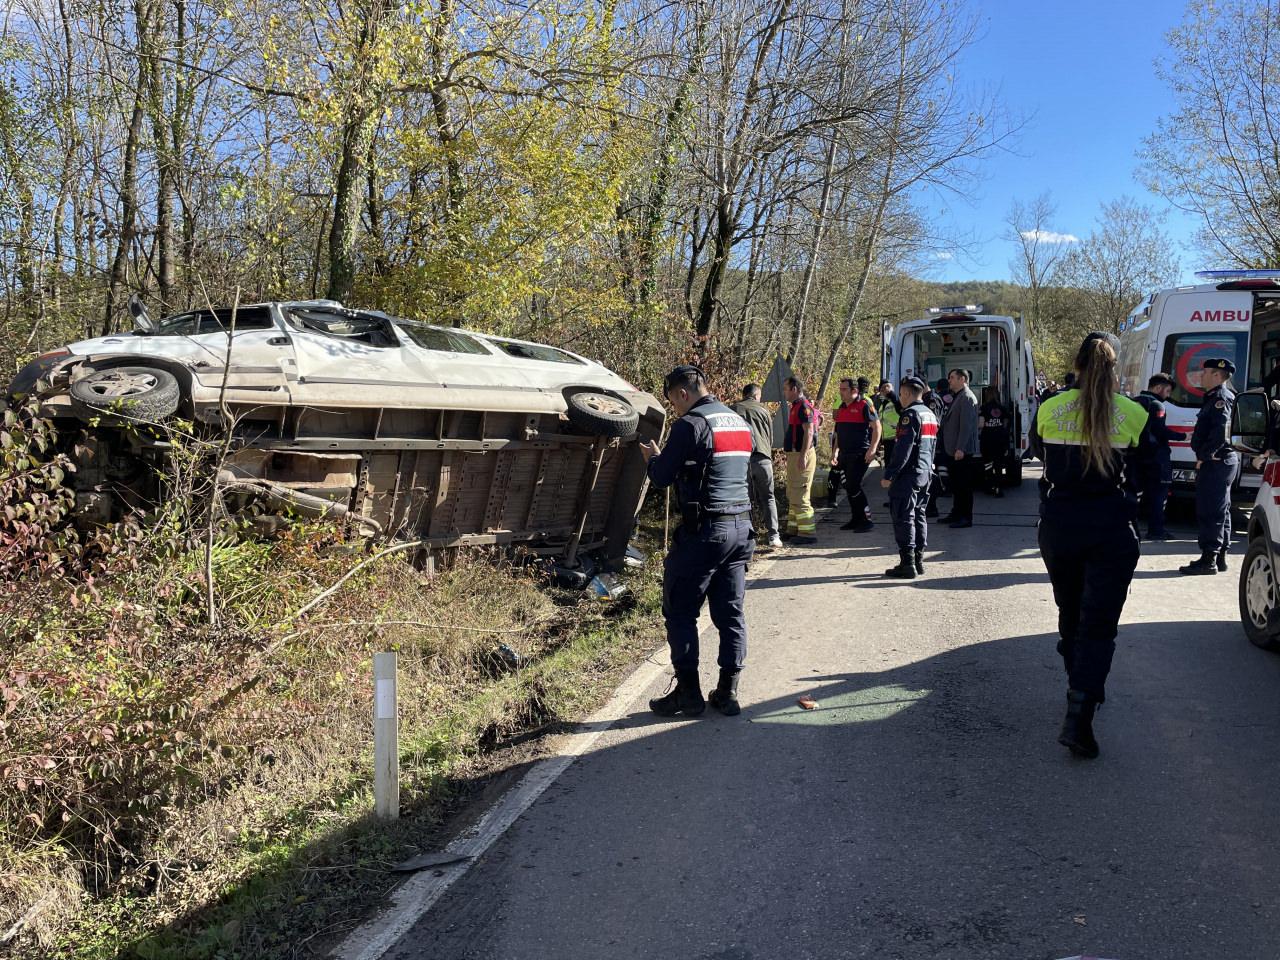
<point>413,899</point>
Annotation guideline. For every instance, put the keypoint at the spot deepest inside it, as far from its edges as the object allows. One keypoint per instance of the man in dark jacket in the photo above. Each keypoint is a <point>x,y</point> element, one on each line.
<point>760,466</point>
<point>907,478</point>
<point>959,434</point>
<point>705,459</point>
<point>1216,463</point>
<point>1154,461</point>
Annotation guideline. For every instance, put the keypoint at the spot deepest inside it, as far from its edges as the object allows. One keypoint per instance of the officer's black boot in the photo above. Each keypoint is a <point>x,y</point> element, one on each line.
<point>1077,727</point>
<point>906,568</point>
<point>685,698</point>
<point>1206,566</point>
<point>919,559</point>
<point>725,696</point>
<point>1222,560</point>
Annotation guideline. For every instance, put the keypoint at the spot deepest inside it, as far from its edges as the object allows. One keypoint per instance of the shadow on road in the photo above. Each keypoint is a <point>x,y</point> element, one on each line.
<point>921,811</point>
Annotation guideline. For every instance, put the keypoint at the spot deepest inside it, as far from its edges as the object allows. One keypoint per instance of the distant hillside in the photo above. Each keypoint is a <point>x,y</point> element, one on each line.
<point>996,296</point>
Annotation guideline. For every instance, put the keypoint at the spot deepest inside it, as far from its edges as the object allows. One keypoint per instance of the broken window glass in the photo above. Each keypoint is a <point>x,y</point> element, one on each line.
<point>440,338</point>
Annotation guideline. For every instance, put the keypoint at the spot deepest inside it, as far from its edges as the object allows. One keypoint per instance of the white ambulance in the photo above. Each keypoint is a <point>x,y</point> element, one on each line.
<point>1234,314</point>
<point>992,348</point>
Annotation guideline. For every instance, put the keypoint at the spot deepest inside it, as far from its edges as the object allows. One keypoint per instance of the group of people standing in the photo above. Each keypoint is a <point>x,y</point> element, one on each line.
<point>1097,449</point>
<point>949,434</point>
<point>1216,462</point>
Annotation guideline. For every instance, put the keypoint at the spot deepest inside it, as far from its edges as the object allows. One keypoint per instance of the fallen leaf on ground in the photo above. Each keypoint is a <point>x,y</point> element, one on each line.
<point>808,703</point>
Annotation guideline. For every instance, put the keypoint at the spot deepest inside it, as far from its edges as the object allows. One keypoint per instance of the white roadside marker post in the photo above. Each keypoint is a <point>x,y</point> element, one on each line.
<point>386,738</point>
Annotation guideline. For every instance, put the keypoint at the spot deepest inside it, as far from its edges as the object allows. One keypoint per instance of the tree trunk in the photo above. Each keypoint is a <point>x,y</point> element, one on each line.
<point>855,300</point>
<point>815,247</point>
<point>663,177</point>
<point>128,202</point>
<point>732,162</point>
<point>153,70</point>
<point>357,134</point>
<point>374,206</point>
<point>725,234</point>
<point>445,132</point>
<point>24,256</point>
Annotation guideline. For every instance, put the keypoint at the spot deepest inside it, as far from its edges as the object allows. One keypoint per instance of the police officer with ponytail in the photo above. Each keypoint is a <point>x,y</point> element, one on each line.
<point>705,459</point>
<point>1086,437</point>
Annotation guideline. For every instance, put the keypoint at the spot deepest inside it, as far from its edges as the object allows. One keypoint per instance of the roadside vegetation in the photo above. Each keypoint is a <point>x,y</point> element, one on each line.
<point>181,787</point>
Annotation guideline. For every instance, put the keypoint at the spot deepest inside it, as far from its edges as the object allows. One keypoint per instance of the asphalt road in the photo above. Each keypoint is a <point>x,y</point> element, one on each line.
<point>925,808</point>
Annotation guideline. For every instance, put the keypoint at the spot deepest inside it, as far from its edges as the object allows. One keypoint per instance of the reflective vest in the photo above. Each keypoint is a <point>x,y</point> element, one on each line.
<point>889,414</point>
<point>715,477</point>
<point>1058,431</point>
<point>802,412</point>
<point>853,425</point>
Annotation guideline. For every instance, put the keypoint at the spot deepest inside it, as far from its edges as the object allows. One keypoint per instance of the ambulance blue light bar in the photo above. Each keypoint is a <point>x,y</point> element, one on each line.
<point>1243,279</point>
<point>974,308</point>
<point>1273,274</point>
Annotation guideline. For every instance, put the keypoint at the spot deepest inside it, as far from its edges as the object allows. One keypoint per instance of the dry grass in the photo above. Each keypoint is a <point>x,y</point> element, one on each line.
<point>260,843</point>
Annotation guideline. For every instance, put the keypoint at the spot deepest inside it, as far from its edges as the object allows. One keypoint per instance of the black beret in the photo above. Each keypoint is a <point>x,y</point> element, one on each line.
<point>1220,363</point>
<point>681,375</point>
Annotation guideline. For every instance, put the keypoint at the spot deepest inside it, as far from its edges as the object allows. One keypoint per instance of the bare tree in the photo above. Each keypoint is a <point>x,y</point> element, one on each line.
<point>1217,155</point>
<point>1038,248</point>
<point>1127,256</point>
<point>925,135</point>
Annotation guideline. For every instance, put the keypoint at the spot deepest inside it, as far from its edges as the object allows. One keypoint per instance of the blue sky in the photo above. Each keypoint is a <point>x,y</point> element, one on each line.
<point>1082,75</point>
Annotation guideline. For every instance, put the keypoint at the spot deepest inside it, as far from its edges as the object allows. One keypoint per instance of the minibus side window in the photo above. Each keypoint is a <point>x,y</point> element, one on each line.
<point>1184,357</point>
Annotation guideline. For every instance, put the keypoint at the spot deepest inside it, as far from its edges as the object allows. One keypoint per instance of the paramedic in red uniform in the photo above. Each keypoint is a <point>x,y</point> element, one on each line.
<point>856,440</point>
<point>706,459</point>
<point>800,447</point>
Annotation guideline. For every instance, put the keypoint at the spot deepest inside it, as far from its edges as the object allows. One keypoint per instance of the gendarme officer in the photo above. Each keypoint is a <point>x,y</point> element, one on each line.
<point>706,459</point>
<point>907,476</point>
<point>1216,463</point>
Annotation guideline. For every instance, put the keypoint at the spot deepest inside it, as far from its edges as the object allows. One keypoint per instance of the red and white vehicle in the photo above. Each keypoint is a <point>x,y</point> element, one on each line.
<point>1234,314</point>
<point>1259,590</point>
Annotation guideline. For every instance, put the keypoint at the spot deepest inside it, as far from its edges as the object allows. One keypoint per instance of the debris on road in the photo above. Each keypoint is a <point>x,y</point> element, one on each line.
<point>425,861</point>
<point>808,703</point>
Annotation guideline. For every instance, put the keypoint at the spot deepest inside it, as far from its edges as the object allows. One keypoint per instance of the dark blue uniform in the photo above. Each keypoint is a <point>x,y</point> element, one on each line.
<point>1086,532</point>
<point>706,459</point>
<point>1211,444</point>
<point>1154,462</point>
<point>909,473</point>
